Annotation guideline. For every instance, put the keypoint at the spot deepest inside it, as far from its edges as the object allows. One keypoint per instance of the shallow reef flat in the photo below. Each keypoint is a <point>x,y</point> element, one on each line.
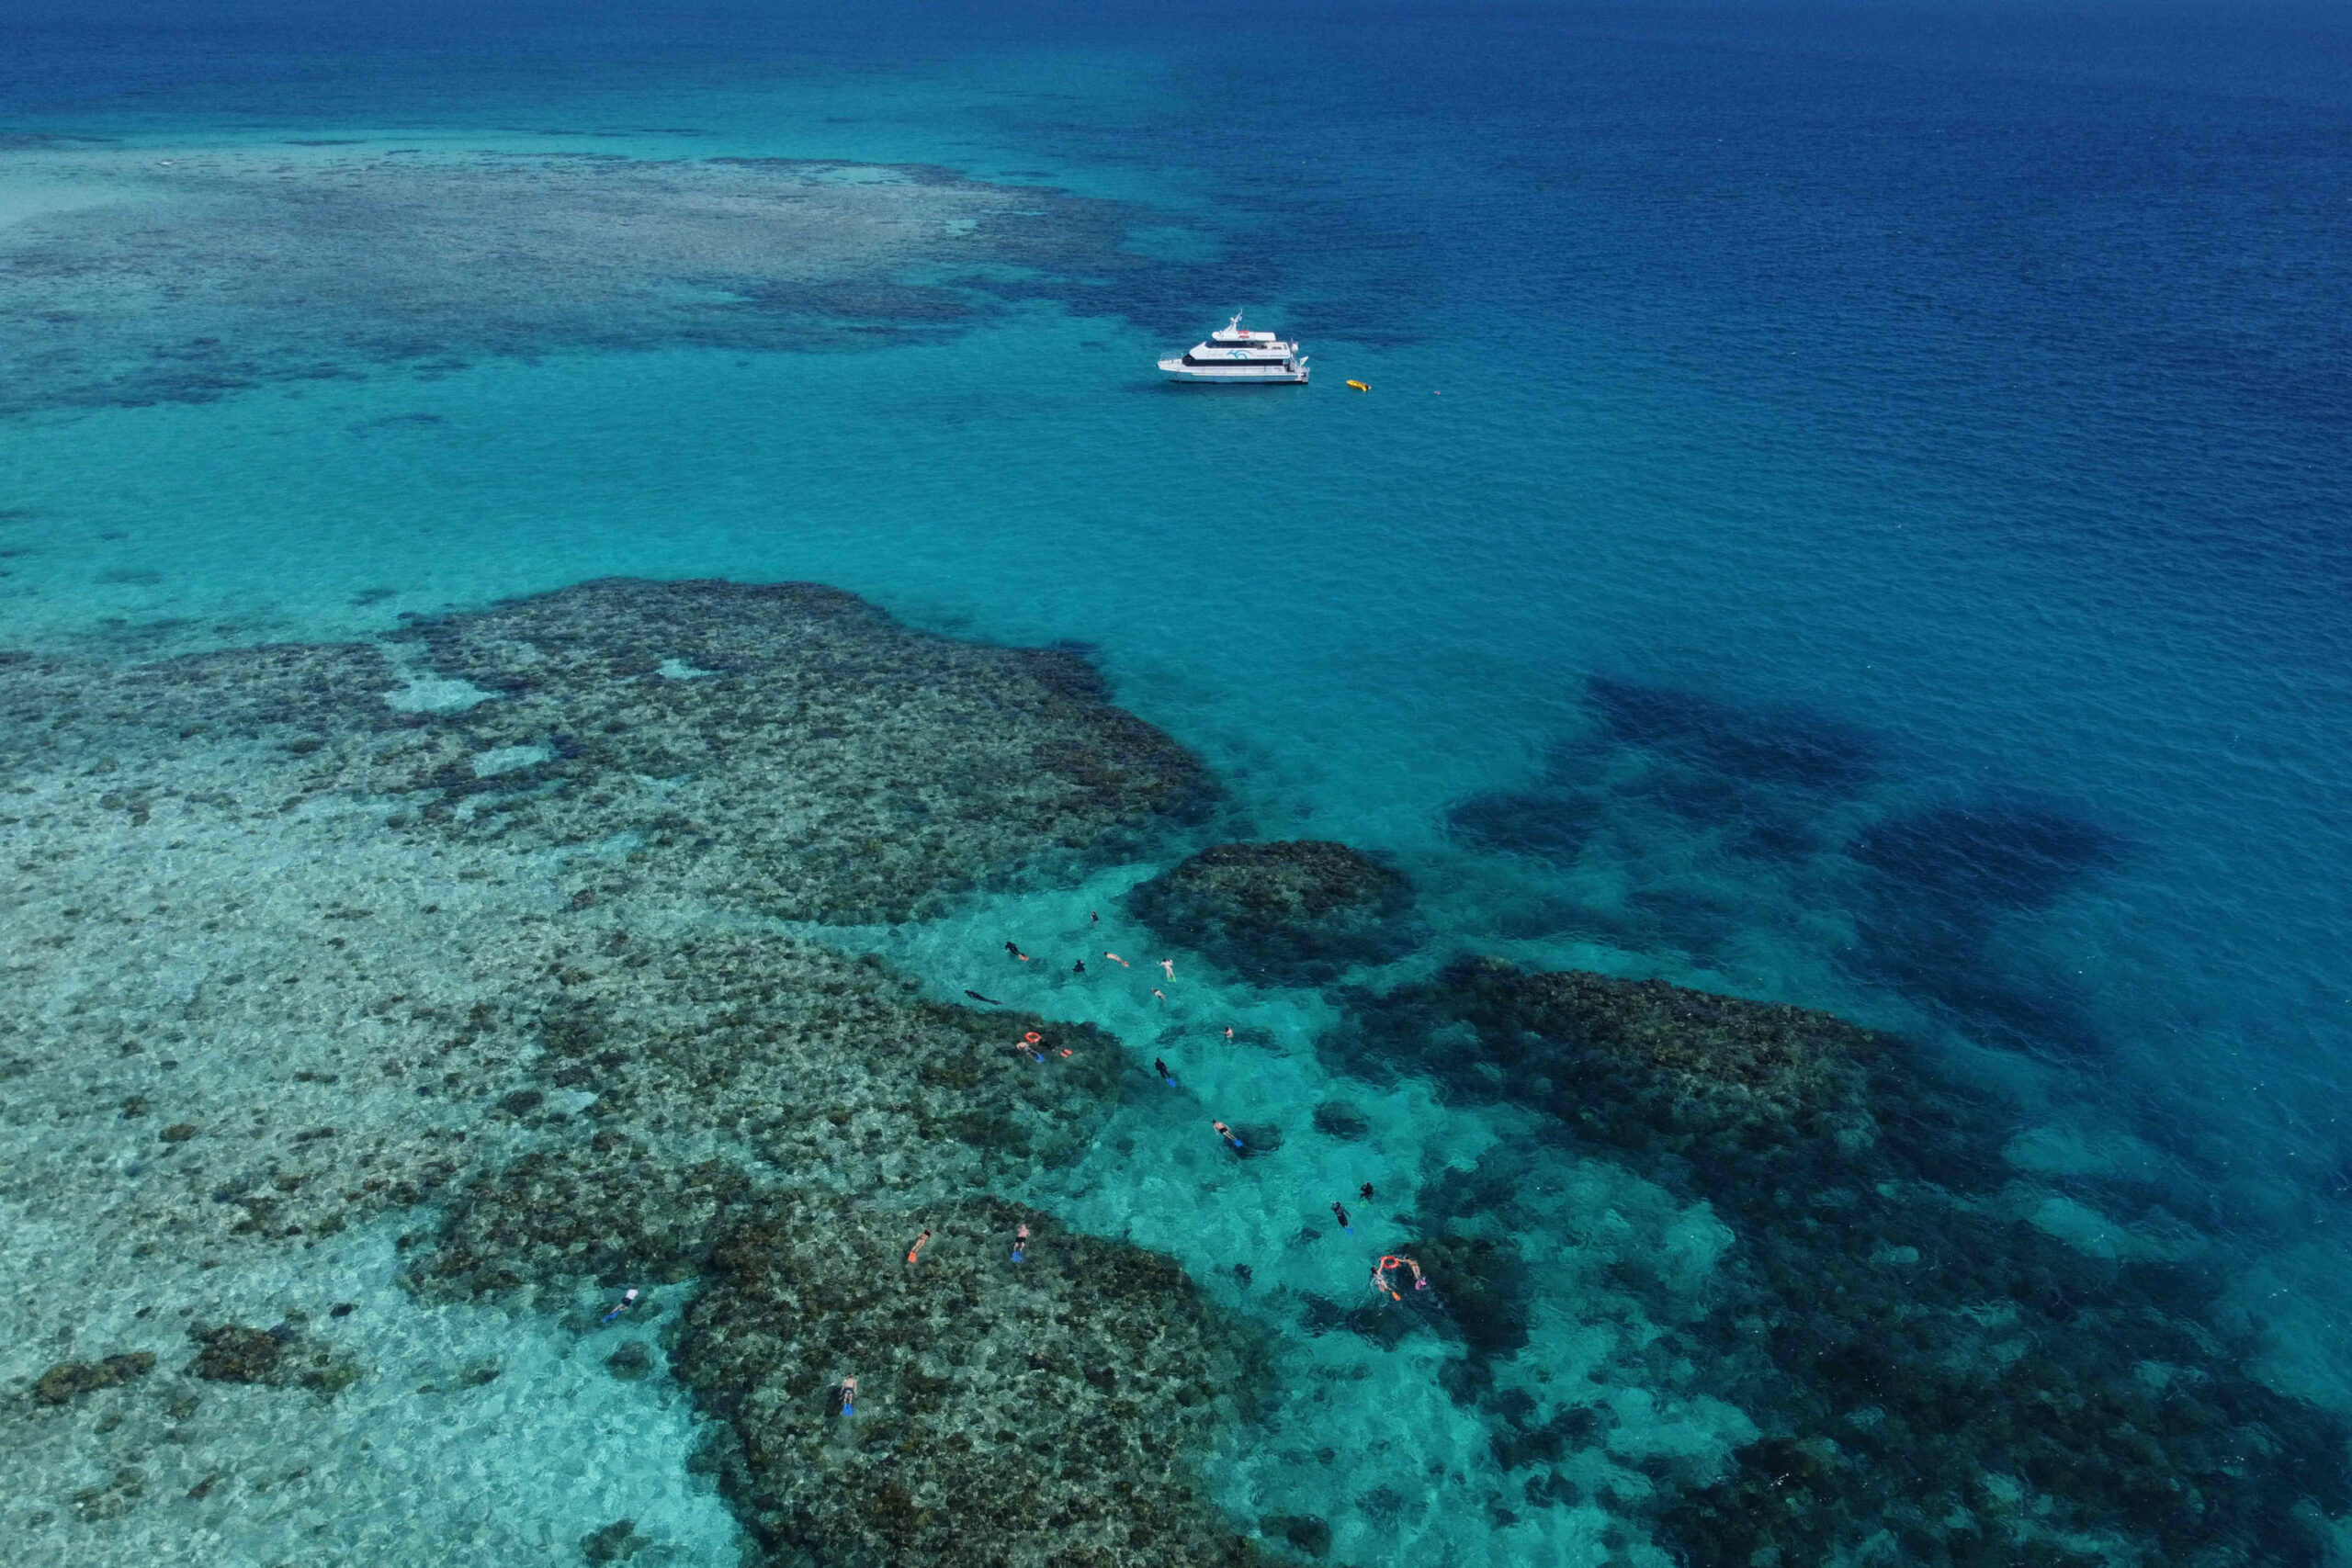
<point>472,936</point>
<point>1933,1373</point>
<point>783,750</point>
<point>156,274</point>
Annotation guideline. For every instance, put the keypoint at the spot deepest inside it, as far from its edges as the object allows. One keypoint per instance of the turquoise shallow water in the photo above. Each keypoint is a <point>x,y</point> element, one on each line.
<point>1849,511</point>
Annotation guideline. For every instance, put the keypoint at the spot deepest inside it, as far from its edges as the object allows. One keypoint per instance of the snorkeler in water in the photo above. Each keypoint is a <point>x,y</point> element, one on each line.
<point>918,1246</point>
<point>629,1300</point>
<point>1381,1269</point>
<point>1364,1192</point>
<point>1161,1069</point>
<point>1340,1212</point>
<point>1078,967</point>
<point>1014,948</point>
<point>1169,966</point>
<point>1227,1133</point>
<point>849,1396</point>
<point>1020,1243</point>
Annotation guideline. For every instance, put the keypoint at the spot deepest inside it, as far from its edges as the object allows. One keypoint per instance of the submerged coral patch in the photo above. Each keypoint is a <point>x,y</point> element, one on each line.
<point>1945,881</point>
<point>68,1379</point>
<point>226,267</point>
<point>1291,912</point>
<point>1929,1365</point>
<point>1690,825</point>
<point>1757,779</point>
<point>834,766</point>
<point>1787,748</point>
<point>1044,1413</point>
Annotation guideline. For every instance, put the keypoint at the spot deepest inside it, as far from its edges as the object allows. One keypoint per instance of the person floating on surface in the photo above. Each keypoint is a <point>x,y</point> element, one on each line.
<point>629,1300</point>
<point>1160,993</point>
<point>918,1246</point>
<point>1228,1031</point>
<point>1381,1270</point>
<point>1161,1069</point>
<point>1169,966</point>
<point>1340,1212</point>
<point>849,1396</point>
<point>1020,1243</point>
<point>1119,961</point>
<point>1227,1133</point>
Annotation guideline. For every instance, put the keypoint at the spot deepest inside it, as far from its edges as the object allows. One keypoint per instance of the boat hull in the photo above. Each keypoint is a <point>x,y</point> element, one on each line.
<point>1238,375</point>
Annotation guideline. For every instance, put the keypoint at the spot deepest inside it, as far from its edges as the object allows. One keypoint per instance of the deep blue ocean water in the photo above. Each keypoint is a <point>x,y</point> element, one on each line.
<point>1851,507</point>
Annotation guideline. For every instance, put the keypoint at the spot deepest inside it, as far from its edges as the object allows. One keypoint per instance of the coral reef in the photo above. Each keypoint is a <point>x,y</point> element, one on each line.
<point>1007,1414</point>
<point>517,964</point>
<point>1934,1370</point>
<point>1758,781</point>
<point>1044,1413</point>
<point>1690,820</point>
<point>616,1542</point>
<point>803,755</point>
<point>221,267</point>
<point>1285,913</point>
<point>68,1379</point>
<point>278,1356</point>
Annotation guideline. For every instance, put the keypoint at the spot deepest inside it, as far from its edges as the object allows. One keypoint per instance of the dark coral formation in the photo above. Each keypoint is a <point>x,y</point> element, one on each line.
<point>1757,779</point>
<point>827,762</point>
<point>1285,913</point>
<point>616,1542</point>
<point>1931,1370</point>
<point>280,1356</point>
<point>229,1353</point>
<point>1687,797</point>
<point>1944,880</point>
<point>781,747</point>
<point>68,1379</point>
<point>1043,1413</point>
<point>1008,1413</point>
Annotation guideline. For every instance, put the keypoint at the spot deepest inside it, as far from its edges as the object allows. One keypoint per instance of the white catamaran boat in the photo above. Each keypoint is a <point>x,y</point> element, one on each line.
<point>1234,358</point>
